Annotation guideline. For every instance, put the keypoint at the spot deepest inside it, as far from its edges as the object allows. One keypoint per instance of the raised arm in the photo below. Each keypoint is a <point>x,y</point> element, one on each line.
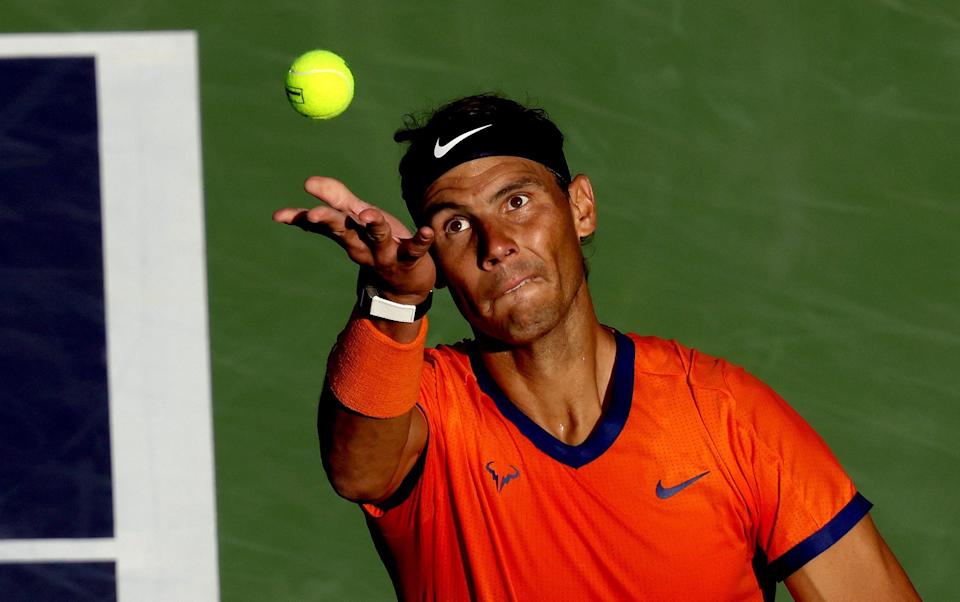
<point>367,458</point>
<point>859,566</point>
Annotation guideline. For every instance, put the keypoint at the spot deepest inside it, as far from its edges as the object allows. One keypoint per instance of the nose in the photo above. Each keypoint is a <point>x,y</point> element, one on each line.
<point>494,245</point>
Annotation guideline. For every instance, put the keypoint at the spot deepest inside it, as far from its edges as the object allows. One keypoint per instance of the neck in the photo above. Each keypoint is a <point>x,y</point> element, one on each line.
<point>560,379</point>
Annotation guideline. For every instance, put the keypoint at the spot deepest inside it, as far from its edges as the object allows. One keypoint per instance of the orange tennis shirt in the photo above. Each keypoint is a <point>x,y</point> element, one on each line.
<point>698,483</point>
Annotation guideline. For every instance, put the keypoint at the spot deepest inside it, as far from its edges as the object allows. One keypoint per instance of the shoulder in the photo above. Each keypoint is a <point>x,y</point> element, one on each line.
<point>655,355</point>
<point>450,357</point>
<point>714,382</point>
<point>448,384</point>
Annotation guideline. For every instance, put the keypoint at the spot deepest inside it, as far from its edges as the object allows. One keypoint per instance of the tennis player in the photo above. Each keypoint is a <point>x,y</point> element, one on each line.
<point>553,457</point>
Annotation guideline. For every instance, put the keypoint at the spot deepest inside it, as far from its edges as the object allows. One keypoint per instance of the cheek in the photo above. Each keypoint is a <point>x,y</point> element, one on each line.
<point>449,260</point>
<point>454,271</point>
<point>559,242</point>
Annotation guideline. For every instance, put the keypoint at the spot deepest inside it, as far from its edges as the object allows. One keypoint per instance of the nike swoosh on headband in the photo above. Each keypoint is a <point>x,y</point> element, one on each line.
<point>439,150</point>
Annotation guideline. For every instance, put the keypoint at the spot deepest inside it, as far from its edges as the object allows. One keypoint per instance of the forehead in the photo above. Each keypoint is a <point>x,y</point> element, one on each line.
<point>482,177</point>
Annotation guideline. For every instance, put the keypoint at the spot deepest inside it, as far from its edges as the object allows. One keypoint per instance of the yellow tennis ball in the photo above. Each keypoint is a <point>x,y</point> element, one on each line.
<point>319,85</point>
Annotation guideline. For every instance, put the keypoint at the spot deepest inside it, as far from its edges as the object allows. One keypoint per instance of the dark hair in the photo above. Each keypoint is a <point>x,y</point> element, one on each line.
<point>514,129</point>
<point>478,107</point>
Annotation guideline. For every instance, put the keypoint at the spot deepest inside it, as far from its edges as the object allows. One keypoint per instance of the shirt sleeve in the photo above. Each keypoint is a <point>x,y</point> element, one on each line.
<point>804,500</point>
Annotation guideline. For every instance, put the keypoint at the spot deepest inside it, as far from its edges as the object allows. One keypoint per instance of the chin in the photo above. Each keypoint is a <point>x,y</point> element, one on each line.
<point>521,326</point>
<point>521,317</point>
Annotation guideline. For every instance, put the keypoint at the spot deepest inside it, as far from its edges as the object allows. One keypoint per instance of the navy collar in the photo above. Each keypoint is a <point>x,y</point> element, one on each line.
<point>604,434</point>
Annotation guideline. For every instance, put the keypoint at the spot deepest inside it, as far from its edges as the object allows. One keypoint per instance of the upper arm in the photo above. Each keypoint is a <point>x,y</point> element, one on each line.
<point>366,458</point>
<point>413,448</point>
<point>371,432</point>
<point>859,566</point>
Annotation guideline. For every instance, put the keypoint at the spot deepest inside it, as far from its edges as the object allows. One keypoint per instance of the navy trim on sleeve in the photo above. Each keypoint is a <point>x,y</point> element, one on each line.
<point>829,534</point>
<point>761,570</point>
<point>604,434</point>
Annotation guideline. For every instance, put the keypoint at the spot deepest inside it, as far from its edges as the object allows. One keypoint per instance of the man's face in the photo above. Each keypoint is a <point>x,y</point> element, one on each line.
<point>508,244</point>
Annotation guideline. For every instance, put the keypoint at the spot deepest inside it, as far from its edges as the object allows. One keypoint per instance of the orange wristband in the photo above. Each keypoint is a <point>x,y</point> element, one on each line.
<point>374,375</point>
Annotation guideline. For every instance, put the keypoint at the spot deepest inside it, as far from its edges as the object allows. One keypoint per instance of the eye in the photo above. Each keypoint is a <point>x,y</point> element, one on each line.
<point>517,201</point>
<point>456,225</point>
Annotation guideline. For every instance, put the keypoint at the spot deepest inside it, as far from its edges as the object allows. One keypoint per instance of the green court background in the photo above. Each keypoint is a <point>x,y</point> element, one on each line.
<point>778,184</point>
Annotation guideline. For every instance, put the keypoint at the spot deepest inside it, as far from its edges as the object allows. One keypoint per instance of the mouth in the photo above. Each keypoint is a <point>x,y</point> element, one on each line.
<point>516,284</point>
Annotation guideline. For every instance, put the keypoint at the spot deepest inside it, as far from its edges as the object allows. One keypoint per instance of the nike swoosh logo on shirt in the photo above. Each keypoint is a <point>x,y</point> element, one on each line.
<point>668,492</point>
<point>439,150</point>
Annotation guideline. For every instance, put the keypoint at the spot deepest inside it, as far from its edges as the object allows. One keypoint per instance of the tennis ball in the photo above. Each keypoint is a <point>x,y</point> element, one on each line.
<point>319,85</point>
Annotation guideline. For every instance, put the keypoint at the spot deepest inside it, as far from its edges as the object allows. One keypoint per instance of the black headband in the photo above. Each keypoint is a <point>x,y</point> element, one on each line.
<point>451,144</point>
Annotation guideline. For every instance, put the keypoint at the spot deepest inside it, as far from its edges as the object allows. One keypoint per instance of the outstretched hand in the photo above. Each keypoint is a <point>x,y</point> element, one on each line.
<point>371,237</point>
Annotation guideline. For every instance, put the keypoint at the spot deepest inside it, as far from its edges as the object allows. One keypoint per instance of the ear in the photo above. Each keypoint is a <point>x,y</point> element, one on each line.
<point>583,206</point>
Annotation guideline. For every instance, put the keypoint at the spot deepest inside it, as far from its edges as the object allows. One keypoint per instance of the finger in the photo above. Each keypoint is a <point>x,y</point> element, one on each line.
<point>412,249</point>
<point>379,236</point>
<point>375,215</point>
<point>336,194</point>
<point>322,214</point>
<point>332,224</point>
<point>287,215</point>
<point>321,219</point>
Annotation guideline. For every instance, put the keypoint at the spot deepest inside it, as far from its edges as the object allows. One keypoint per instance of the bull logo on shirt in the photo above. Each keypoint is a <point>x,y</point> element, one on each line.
<point>499,479</point>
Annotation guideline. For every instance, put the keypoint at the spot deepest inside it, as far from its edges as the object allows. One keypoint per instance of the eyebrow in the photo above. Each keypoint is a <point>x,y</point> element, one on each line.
<point>523,182</point>
<point>513,186</point>
<point>427,214</point>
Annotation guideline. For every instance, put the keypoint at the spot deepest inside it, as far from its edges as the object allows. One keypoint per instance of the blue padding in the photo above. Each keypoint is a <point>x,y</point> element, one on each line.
<point>607,430</point>
<point>58,581</point>
<point>55,472</point>
<point>829,534</point>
